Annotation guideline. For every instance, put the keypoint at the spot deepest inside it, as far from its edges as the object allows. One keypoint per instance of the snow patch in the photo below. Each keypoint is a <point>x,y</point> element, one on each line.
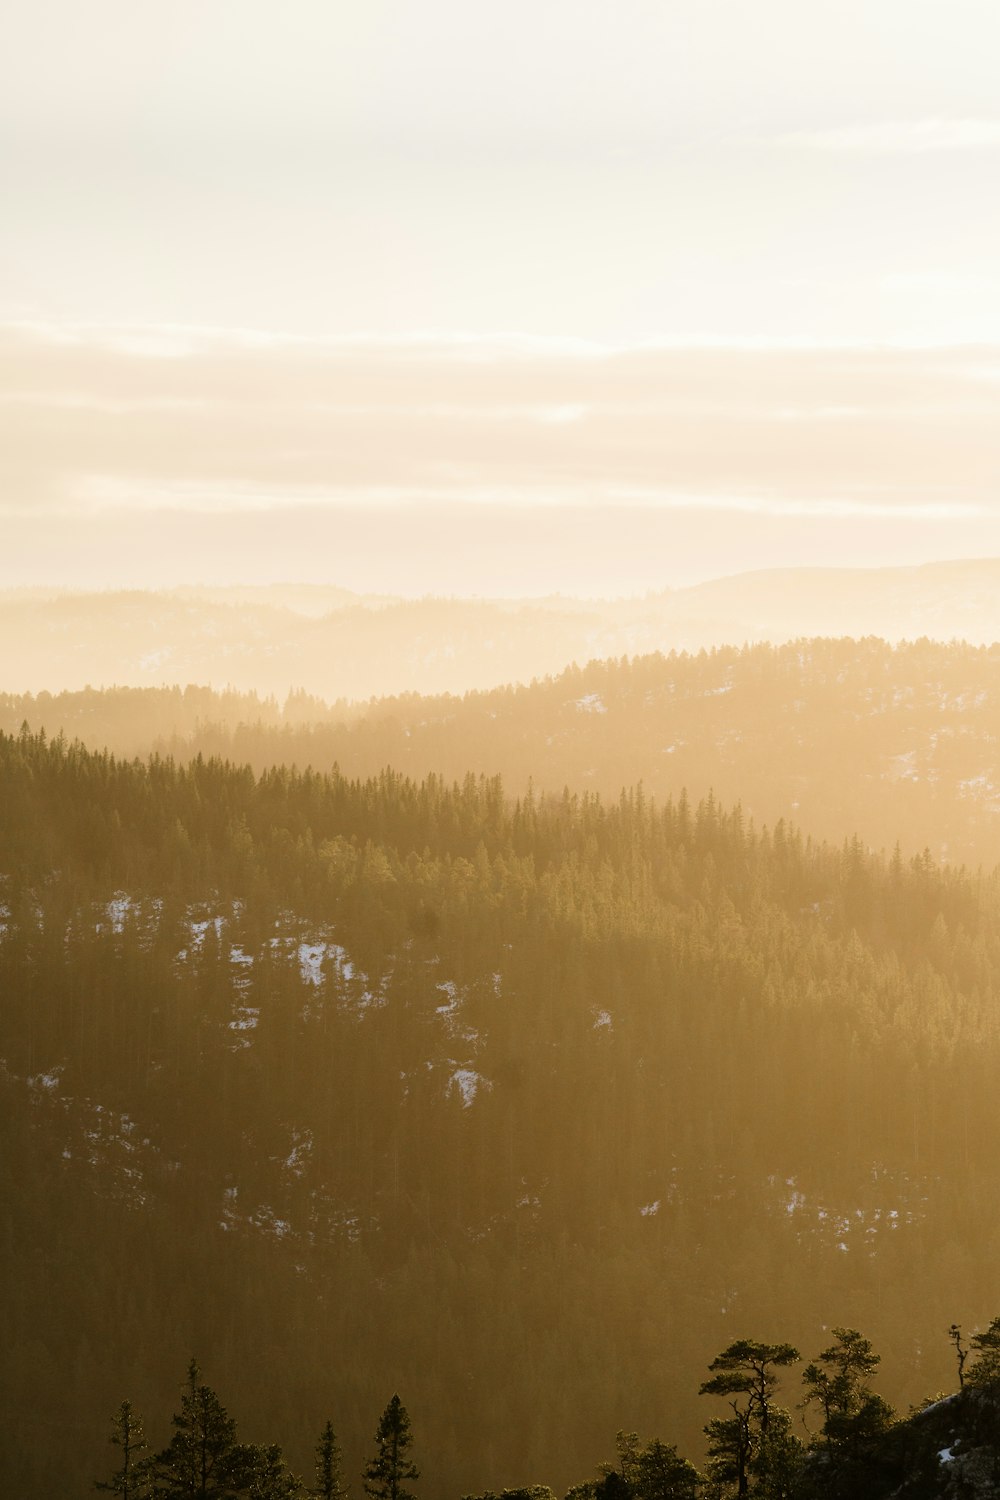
<point>246,1018</point>
<point>468,1083</point>
<point>48,1081</point>
<point>591,703</point>
<point>118,909</point>
<point>450,988</point>
<point>154,659</point>
<point>311,957</point>
<point>298,1158</point>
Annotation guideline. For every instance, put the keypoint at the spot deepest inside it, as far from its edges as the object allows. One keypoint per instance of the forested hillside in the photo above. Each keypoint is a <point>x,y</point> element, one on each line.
<point>526,1107</point>
<point>838,736</point>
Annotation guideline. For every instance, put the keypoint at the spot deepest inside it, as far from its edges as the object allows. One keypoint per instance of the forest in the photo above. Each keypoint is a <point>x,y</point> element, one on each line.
<point>524,1105</point>
<point>856,1445</point>
<point>896,744</point>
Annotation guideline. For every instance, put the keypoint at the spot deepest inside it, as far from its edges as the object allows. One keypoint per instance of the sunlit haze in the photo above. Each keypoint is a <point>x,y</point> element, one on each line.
<point>479,299</point>
<point>499,791</point>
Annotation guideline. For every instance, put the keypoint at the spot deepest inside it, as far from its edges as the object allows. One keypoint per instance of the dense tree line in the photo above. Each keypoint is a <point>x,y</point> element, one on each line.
<point>520,1103</point>
<point>204,1459</point>
<point>847,1441</point>
<point>895,743</point>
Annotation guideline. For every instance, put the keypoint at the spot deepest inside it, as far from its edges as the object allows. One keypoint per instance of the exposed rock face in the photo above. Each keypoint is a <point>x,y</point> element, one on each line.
<point>951,1450</point>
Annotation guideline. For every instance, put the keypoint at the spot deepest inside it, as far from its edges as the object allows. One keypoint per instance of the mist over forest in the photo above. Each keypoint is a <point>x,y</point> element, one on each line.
<point>499,750</point>
<point>517,1050</point>
<point>335,644</point>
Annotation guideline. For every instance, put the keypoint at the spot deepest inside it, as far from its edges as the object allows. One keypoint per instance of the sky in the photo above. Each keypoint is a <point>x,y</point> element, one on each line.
<point>447,295</point>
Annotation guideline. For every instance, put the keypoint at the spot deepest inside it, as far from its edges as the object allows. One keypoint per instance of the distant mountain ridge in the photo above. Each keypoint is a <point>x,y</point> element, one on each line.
<point>331,642</point>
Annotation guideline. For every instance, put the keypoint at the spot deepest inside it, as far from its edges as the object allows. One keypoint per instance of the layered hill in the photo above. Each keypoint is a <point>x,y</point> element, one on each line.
<point>523,1107</point>
<point>334,643</point>
<point>895,743</point>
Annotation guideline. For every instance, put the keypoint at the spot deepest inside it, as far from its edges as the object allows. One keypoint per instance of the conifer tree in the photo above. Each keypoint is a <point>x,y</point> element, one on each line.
<point>730,1447</point>
<point>329,1483</point>
<point>132,1479</point>
<point>662,1474</point>
<point>655,1472</point>
<point>391,1469</point>
<point>201,1458</point>
<point>756,1442</point>
<point>854,1416</point>
<point>260,1473</point>
<point>986,1366</point>
<point>961,1352</point>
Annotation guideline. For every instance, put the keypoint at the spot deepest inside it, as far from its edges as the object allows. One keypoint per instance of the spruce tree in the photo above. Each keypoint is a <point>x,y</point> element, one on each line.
<point>202,1457</point>
<point>132,1479</point>
<point>260,1472</point>
<point>329,1484</point>
<point>390,1469</point>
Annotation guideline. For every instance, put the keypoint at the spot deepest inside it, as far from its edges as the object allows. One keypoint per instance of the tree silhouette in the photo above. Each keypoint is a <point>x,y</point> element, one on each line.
<point>390,1469</point>
<point>132,1479</point>
<point>201,1457</point>
<point>329,1484</point>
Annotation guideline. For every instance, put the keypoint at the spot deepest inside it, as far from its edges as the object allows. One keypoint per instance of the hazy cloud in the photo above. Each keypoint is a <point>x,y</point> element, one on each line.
<point>790,445</point>
<point>231,421</point>
<point>901,136</point>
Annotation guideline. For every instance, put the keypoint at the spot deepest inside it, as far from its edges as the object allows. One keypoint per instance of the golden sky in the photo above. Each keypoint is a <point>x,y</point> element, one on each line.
<point>717,277</point>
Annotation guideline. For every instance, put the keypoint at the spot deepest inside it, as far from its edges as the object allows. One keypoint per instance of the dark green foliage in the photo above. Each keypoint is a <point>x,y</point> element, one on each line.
<point>849,1454</point>
<point>661,1474</point>
<point>730,1449</point>
<point>753,1451</point>
<point>202,1458</point>
<point>260,1473</point>
<point>613,1486</point>
<point>894,742</point>
<point>391,1469</point>
<point>985,1346</point>
<point>329,1483</point>
<point>132,1479</point>
<point>950,1448</point>
<point>652,1472</point>
<point>838,1380</point>
<point>523,1492</point>
<point>644,1073</point>
<point>749,1368</point>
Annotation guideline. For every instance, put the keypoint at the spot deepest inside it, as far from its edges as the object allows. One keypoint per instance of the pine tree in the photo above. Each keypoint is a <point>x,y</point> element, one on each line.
<point>961,1352</point>
<point>260,1473</point>
<point>756,1442</point>
<point>202,1456</point>
<point>854,1416</point>
<point>329,1484</point>
<point>656,1472</point>
<point>662,1474</point>
<point>390,1469</point>
<point>132,1479</point>
<point>986,1367</point>
<point>730,1446</point>
<point>748,1368</point>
